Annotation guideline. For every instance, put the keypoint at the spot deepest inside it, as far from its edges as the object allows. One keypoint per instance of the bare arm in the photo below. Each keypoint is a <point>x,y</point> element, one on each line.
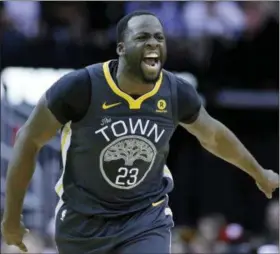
<point>40,127</point>
<point>220,141</point>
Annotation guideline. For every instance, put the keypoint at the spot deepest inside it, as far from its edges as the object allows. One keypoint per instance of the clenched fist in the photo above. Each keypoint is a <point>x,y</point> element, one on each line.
<point>13,234</point>
<point>268,183</point>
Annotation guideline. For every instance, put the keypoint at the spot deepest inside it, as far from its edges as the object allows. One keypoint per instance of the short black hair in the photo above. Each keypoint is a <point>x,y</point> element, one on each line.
<point>122,24</point>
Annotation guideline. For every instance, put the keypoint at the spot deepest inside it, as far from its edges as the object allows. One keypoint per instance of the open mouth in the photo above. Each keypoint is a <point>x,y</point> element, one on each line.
<point>151,61</point>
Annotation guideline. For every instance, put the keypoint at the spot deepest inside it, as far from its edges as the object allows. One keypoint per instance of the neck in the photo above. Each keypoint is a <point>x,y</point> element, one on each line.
<point>129,83</point>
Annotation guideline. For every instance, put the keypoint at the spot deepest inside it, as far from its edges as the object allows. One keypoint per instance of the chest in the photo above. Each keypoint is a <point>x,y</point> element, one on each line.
<point>126,129</point>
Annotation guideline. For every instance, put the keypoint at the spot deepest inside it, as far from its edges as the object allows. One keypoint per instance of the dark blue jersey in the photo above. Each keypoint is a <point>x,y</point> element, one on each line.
<point>114,156</point>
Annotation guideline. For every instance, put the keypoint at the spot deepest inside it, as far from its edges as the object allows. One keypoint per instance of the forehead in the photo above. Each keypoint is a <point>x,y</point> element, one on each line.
<point>144,23</point>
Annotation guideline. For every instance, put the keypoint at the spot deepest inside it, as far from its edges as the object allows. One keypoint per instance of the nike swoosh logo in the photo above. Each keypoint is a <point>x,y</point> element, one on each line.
<point>158,203</point>
<point>107,106</point>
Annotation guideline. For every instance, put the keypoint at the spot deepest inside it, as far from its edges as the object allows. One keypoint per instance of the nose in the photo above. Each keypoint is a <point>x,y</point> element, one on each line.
<point>152,43</point>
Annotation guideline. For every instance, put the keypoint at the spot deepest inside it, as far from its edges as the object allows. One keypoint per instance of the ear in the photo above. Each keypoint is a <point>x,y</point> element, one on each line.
<point>120,49</point>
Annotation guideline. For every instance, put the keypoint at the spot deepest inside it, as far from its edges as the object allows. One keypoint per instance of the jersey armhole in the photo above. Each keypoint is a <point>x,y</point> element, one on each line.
<point>174,95</point>
<point>93,72</point>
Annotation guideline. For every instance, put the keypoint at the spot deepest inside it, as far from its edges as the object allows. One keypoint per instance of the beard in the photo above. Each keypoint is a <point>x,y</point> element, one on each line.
<point>149,79</point>
<point>134,66</point>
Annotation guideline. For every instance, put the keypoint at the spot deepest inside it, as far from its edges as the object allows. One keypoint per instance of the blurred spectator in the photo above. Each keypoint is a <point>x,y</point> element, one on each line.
<point>12,39</point>
<point>205,21</point>
<point>207,235</point>
<point>258,14</point>
<point>24,16</point>
<point>235,238</point>
<point>255,17</point>
<point>268,249</point>
<point>68,22</point>
<point>179,244</point>
<point>270,236</point>
<point>272,223</point>
<point>271,8</point>
<point>222,19</point>
<point>168,12</point>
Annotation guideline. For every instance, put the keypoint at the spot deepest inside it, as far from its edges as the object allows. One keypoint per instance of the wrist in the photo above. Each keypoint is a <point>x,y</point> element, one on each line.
<point>11,221</point>
<point>259,174</point>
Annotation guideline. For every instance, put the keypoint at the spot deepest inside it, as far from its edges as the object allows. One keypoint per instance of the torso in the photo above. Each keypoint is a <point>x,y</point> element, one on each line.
<point>114,158</point>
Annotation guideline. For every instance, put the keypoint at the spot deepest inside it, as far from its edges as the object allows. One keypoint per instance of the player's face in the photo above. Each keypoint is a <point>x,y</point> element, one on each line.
<point>145,47</point>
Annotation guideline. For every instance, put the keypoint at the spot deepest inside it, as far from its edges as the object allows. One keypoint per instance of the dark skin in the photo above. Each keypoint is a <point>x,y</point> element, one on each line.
<point>42,125</point>
<point>143,34</point>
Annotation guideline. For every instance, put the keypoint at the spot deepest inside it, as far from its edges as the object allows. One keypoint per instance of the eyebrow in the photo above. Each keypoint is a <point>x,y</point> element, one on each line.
<point>146,33</point>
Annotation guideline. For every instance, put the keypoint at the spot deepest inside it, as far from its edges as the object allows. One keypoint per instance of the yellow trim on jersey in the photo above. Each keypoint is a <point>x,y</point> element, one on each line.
<point>158,203</point>
<point>66,132</point>
<point>133,103</point>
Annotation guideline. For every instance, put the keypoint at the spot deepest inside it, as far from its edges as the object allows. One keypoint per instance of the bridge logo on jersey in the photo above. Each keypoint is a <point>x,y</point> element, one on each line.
<point>161,106</point>
<point>126,162</point>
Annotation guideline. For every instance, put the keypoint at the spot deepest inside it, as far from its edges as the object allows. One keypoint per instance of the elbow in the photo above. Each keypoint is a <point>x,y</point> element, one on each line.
<point>209,145</point>
<point>210,141</point>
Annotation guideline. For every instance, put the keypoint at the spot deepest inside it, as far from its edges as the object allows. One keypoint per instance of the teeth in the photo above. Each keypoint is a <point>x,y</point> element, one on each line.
<point>152,55</point>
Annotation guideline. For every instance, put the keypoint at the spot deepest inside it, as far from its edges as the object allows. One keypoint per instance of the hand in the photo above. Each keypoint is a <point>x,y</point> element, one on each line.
<point>268,183</point>
<point>13,234</point>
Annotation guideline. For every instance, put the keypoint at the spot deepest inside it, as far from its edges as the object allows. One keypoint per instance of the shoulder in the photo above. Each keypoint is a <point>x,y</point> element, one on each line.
<point>182,84</point>
<point>72,80</point>
<point>65,95</point>
<point>95,67</point>
<point>188,100</point>
<point>169,75</point>
<point>69,86</point>
<point>99,69</point>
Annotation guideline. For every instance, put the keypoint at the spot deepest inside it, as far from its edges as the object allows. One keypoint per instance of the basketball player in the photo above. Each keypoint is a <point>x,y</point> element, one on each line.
<point>117,119</point>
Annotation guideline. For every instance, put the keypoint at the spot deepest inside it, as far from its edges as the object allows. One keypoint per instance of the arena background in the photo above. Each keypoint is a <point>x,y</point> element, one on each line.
<point>228,50</point>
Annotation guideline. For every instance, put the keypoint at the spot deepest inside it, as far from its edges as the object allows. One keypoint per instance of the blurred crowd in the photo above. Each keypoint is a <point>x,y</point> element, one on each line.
<point>224,44</point>
<point>218,40</point>
<point>91,22</point>
<point>214,235</point>
<point>211,235</point>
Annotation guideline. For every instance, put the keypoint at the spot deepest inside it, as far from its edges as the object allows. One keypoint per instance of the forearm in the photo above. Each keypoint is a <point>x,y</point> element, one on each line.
<point>20,171</point>
<point>228,147</point>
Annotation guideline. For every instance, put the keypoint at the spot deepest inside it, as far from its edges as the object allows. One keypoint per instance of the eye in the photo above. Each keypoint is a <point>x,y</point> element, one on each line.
<point>141,37</point>
<point>160,37</point>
